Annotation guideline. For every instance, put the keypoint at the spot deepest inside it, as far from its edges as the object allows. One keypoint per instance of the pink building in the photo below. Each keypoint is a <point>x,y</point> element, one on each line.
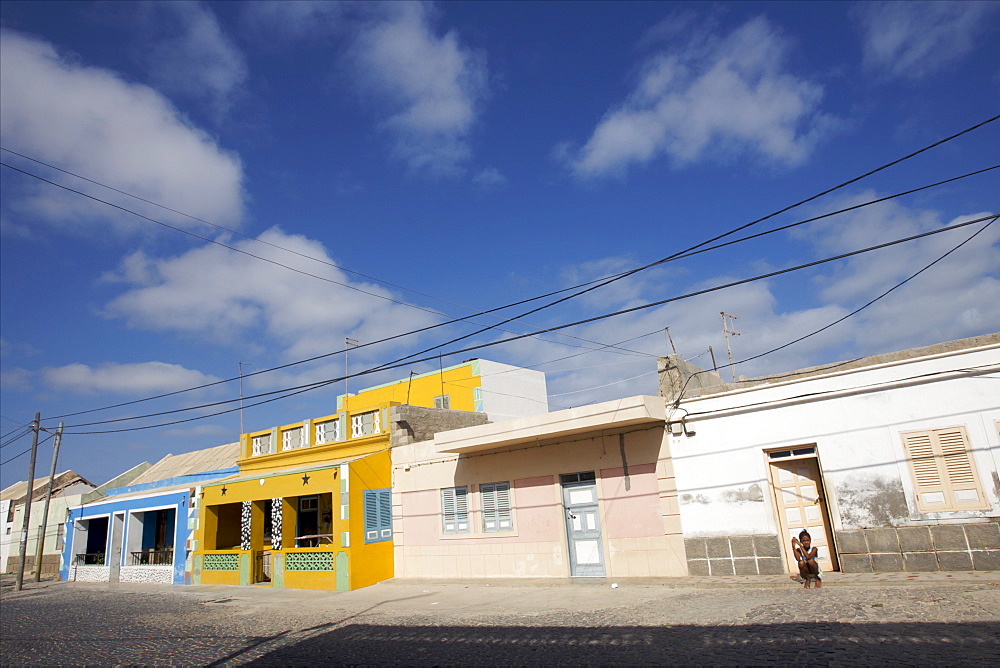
<point>582,492</point>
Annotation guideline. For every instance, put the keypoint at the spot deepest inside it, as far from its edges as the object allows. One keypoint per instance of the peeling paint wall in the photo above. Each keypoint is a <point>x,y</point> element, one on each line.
<point>854,419</point>
<point>869,500</point>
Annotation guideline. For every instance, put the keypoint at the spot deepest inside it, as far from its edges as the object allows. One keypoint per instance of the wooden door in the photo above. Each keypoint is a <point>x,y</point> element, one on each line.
<point>798,495</point>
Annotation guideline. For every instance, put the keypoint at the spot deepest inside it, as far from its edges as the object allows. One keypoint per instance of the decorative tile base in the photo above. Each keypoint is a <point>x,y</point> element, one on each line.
<point>148,574</point>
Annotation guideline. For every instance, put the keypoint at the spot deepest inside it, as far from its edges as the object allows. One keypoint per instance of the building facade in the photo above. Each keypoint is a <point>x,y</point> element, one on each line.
<point>311,506</point>
<point>890,462</point>
<point>142,532</point>
<point>584,492</point>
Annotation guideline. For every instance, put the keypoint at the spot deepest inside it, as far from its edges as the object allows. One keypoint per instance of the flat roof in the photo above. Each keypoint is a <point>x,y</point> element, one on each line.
<point>595,417</point>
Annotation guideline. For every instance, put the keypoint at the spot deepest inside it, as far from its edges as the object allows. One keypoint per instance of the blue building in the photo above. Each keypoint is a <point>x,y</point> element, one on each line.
<point>143,532</point>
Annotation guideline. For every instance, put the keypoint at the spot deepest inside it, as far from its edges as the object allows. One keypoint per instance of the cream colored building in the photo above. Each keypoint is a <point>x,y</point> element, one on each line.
<point>581,492</point>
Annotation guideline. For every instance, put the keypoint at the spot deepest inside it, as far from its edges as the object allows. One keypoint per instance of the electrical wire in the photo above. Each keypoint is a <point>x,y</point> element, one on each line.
<point>20,454</point>
<point>279,264</point>
<point>992,219</point>
<point>292,391</point>
<point>602,346</point>
<point>23,432</point>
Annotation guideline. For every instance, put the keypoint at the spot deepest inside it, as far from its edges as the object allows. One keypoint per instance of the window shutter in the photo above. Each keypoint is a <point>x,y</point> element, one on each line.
<point>496,506</point>
<point>378,515</point>
<point>385,513</point>
<point>943,470</point>
<point>371,516</point>
<point>455,509</point>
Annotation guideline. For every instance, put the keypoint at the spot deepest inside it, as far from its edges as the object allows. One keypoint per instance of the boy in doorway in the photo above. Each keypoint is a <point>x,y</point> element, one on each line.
<point>806,555</point>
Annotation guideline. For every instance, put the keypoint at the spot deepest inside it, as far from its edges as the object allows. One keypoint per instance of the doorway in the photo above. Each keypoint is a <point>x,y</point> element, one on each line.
<point>583,525</point>
<point>801,503</point>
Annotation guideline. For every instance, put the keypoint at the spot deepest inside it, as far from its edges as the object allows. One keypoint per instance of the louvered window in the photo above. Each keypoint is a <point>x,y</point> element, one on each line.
<point>328,432</point>
<point>943,470</point>
<point>455,509</point>
<point>291,439</point>
<point>365,424</point>
<point>443,401</point>
<point>496,506</point>
<point>378,515</point>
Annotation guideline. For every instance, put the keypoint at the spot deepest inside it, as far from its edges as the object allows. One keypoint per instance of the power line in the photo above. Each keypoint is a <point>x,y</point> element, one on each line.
<point>258,257</point>
<point>21,454</point>
<point>602,346</point>
<point>292,391</point>
<point>593,287</point>
<point>992,219</point>
<point>713,239</point>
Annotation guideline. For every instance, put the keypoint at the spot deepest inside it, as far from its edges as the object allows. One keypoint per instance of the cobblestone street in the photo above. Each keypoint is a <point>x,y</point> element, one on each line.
<point>504,623</point>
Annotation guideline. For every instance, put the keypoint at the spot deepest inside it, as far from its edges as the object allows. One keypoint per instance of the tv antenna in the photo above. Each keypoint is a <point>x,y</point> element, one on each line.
<point>727,322</point>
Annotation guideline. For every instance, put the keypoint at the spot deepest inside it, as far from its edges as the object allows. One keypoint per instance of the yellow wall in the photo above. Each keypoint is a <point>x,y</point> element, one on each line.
<point>371,562</point>
<point>459,382</point>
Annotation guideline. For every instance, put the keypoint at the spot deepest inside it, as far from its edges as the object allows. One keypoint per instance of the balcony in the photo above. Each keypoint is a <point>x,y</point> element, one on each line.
<point>151,558</point>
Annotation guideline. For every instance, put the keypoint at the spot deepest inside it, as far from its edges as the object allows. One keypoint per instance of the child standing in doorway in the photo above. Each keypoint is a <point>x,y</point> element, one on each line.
<point>806,555</point>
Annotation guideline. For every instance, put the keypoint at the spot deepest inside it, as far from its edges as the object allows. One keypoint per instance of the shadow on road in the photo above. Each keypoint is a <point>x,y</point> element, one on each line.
<point>912,643</point>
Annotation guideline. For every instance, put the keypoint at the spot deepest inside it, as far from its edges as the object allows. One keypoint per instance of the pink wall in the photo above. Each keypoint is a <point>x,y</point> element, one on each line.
<point>632,513</point>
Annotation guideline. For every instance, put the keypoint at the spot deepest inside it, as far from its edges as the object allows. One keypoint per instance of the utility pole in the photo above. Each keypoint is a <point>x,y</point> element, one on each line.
<point>23,550</point>
<point>242,431</point>
<point>39,551</point>
<point>348,342</point>
<point>727,322</point>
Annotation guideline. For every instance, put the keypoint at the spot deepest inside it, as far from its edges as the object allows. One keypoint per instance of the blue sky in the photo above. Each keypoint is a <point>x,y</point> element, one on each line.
<point>428,161</point>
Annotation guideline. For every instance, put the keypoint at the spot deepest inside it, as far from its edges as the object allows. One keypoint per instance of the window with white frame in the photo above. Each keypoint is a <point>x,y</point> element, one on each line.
<point>455,509</point>
<point>328,431</point>
<point>260,445</point>
<point>497,515</point>
<point>291,438</point>
<point>365,424</point>
<point>443,401</point>
<point>944,472</point>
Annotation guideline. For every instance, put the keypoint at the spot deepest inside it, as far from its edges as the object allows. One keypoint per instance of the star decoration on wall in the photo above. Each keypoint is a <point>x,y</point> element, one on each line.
<point>224,490</point>
<point>305,478</point>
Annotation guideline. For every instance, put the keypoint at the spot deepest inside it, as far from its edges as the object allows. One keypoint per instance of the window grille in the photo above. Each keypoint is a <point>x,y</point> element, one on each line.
<point>443,401</point>
<point>291,438</point>
<point>328,432</point>
<point>365,424</point>
<point>261,445</point>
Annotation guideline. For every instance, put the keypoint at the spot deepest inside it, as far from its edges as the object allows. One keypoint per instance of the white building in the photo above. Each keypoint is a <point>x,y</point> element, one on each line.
<point>889,461</point>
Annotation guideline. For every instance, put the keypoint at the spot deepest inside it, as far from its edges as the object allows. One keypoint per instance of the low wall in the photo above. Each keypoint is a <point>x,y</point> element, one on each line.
<point>758,554</point>
<point>941,547</point>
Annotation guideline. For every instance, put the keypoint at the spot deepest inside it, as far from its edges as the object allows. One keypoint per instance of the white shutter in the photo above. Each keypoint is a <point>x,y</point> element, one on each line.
<point>455,509</point>
<point>943,470</point>
<point>496,506</point>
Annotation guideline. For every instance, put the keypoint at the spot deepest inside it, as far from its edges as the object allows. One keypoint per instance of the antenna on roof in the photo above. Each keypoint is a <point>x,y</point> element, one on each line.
<point>727,322</point>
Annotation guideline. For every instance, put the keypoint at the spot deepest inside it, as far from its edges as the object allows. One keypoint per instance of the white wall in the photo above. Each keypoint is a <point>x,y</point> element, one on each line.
<point>855,419</point>
<point>511,392</point>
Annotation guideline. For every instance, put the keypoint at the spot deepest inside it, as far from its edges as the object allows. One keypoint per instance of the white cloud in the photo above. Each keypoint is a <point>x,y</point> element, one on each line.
<point>713,98</point>
<point>215,294</point>
<point>432,85</point>
<point>489,178</point>
<point>911,40</point>
<point>93,122</point>
<point>16,379</point>
<point>426,88</point>
<point>129,379</point>
<point>187,53</point>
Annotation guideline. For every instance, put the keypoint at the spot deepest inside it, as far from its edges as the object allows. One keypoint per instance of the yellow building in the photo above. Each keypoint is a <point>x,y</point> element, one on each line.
<point>311,507</point>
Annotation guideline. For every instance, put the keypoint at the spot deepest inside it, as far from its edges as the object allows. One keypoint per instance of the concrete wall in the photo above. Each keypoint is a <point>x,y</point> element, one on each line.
<point>854,419</point>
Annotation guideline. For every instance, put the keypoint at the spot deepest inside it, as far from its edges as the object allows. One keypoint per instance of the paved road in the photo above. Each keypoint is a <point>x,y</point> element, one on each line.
<point>424,624</point>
